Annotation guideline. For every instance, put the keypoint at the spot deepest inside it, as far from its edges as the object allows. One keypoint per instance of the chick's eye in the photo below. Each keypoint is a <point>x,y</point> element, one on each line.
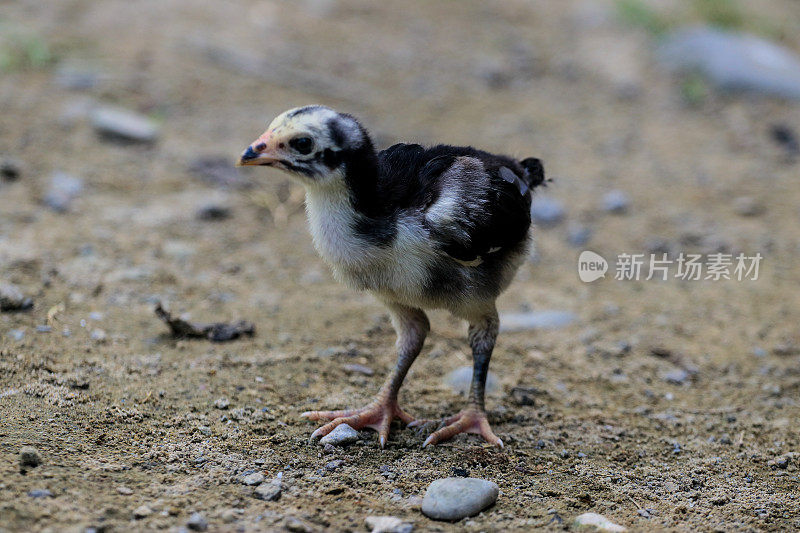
<point>302,144</point>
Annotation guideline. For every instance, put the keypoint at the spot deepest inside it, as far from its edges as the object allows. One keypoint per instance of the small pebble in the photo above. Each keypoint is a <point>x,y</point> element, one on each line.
<point>98,335</point>
<point>455,498</point>
<point>43,328</point>
<point>596,522</point>
<point>120,124</point>
<point>747,206</point>
<point>677,376</point>
<point>125,491</point>
<point>549,319</point>
<point>63,189</point>
<point>197,522</point>
<point>256,478</point>
<point>10,169</point>
<point>295,525</point>
<point>269,491</point>
<point>616,202</point>
<point>342,435</point>
<point>16,334</point>
<point>388,524</point>
<point>29,456</point>
<point>204,430</point>
<point>355,368</point>
<point>40,493</point>
<point>12,298</point>
<point>222,403</point>
<point>143,511</point>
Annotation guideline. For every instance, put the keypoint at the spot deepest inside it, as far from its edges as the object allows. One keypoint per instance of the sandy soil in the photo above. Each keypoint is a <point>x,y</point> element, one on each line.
<point>124,416</point>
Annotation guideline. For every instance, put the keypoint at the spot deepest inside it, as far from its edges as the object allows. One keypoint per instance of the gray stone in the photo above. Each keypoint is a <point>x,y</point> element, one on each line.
<point>12,298</point>
<point>546,211</point>
<point>98,335</point>
<point>29,456</point>
<point>616,202</point>
<point>120,124</point>
<point>677,376</point>
<point>733,61</point>
<point>747,206</point>
<point>460,380</point>
<point>548,319</point>
<point>143,511</point>
<point>40,493</point>
<point>455,498</point>
<point>342,435</point>
<point>333,465</point>
<point>221,403</point>
<point>256,478</point>
<point>16,334</point>
<point>388,524</point>
<point>197,522</point>
<point>355,368</point>
<point>61,192</point>
<point>596,522</point>
<point>269,491</point>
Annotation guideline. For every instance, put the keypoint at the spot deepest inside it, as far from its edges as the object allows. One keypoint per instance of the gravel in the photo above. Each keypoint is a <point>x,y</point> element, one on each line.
<point>342,435</point>
<point>455,498</point>
<point>29,456</point>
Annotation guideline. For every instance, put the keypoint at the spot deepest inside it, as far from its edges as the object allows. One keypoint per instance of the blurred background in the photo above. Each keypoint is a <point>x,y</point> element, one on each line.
<point>667,126</point>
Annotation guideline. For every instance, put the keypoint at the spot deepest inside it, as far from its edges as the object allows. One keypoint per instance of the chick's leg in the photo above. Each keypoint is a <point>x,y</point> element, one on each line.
<point>482,336</point>
<point>412,327</point>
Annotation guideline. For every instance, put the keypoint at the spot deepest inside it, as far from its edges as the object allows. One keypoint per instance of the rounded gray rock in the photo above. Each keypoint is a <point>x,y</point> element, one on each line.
<point>29,456</point>
<point>455,498</point>
<point>342,435</point>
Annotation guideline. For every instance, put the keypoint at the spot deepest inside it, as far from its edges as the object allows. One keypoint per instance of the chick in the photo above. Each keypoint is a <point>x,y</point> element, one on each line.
<point>444,227</point>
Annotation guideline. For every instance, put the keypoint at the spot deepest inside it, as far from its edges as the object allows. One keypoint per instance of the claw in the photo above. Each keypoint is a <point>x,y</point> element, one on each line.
<point>468,421</point>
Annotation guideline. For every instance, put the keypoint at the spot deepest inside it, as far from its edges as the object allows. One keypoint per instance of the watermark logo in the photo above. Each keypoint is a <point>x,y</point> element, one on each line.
<point>591,266</point>
<point>687,267</point>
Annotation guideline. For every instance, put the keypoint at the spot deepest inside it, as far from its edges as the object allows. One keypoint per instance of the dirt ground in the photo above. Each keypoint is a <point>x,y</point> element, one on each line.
<point>123,416</point>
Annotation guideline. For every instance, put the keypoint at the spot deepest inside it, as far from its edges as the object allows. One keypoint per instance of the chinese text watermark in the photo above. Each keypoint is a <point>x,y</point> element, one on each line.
<point>686,266</point>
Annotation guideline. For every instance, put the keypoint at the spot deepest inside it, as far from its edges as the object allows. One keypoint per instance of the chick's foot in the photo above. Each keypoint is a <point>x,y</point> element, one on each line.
<point>378,415</point>
<point>470,420</point>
